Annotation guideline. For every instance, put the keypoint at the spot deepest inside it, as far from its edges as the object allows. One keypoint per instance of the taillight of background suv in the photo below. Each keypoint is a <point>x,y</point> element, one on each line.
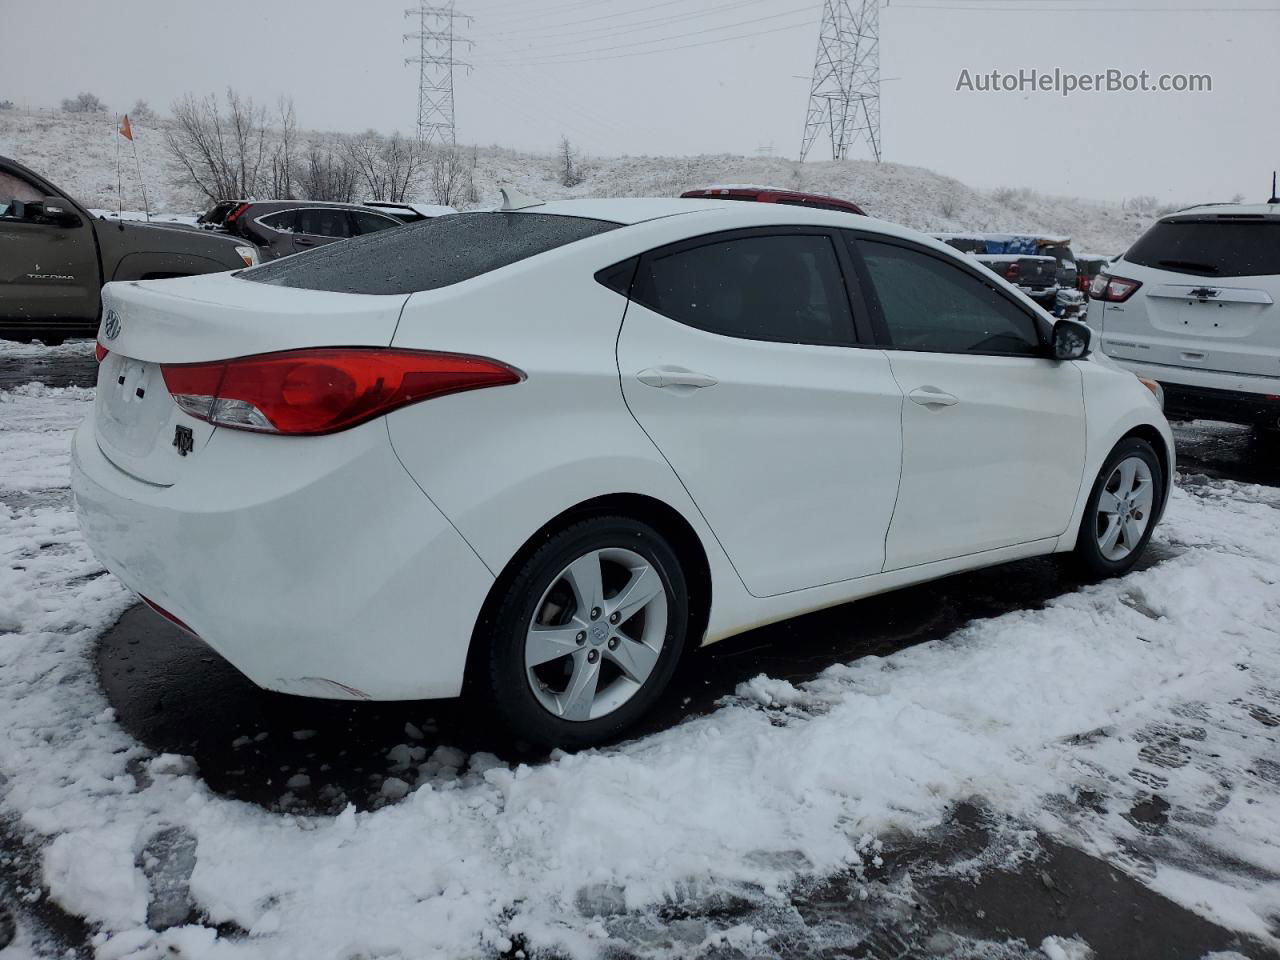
<point>1113,289</point>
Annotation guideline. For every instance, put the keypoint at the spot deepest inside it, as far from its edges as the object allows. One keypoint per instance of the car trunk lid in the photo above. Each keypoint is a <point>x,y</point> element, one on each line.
<point>1230,325</point>
<point>146,325</point>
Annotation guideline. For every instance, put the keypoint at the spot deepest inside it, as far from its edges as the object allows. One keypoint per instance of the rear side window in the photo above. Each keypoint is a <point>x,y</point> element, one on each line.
<point>428,255</point>
<point>930,305</point>
<point>1210,247</point>
<point>282,222</point>
<point>781,288</point>
<point>371,222</point>
<point>324,222</point>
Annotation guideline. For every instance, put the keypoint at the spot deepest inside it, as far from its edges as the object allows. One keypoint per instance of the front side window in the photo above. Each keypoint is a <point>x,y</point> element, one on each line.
<point>324,222</point>
<point>928,304</point>
<point>15,194</point>
<point>785,288</point>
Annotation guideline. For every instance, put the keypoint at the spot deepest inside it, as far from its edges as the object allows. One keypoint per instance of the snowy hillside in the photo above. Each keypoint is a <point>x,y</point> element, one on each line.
<point>78,153</point>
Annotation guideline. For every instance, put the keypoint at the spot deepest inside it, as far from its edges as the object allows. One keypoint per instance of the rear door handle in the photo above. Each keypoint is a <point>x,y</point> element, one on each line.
<point>932,397</point>
<point>675,377</point>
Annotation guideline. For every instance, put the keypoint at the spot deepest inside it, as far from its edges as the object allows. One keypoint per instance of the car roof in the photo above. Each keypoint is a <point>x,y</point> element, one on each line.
<point>714,215</point>
<point>1227,210</point>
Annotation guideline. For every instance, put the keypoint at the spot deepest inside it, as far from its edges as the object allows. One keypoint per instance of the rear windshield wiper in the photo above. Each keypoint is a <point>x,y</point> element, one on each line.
<point>1189,265</point>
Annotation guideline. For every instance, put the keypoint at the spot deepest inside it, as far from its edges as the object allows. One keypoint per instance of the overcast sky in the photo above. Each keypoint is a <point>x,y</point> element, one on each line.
<point>608,74</point>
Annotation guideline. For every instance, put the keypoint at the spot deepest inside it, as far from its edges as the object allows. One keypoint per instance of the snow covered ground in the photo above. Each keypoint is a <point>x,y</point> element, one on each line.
<point>77,152</point>
<point>1138,720</point>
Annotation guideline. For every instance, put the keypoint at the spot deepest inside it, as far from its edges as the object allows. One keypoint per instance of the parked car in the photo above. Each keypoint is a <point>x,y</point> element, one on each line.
<point>280,228</point>
<point>55,257</point>
<point>535,453</point>
<point>1192,304</point>
<point>410,211</point>
<point>1034,276</point>
<point>1088,266</point>
<point>1030,244</point>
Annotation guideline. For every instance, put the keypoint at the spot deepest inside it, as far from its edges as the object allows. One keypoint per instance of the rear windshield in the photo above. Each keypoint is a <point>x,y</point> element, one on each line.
<point>1211,248</point>
<point>428,255</point>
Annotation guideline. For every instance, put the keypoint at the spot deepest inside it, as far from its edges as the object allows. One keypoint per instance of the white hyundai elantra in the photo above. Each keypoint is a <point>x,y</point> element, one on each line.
<point>540,451</point>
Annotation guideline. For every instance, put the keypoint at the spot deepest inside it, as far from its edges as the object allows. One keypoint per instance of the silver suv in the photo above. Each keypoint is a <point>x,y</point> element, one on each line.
<point>1192,305</point>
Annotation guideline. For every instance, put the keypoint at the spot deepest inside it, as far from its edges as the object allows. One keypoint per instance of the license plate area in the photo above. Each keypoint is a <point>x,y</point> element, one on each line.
<point>139,427</point>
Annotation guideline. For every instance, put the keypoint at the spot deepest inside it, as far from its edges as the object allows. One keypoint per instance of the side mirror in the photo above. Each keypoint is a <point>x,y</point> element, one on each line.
<point>56,210</point>
<point>1072,340</point>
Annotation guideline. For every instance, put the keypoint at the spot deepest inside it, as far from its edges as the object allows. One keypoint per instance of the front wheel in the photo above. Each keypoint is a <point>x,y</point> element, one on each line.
<point>1120,515</point>
<point>589,633</point>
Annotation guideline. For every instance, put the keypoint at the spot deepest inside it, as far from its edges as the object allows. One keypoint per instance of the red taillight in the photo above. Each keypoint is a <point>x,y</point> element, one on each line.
<point>324,389</point>
<point>1112,289</point>
<point>100,352</point>
<point>235,214</point>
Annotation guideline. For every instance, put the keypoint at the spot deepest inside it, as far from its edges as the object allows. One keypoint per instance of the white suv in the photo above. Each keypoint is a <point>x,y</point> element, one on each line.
<point>1192,305</point>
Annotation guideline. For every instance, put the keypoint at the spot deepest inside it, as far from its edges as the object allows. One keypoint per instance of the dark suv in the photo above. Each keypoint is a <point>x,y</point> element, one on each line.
<point>283,227</point>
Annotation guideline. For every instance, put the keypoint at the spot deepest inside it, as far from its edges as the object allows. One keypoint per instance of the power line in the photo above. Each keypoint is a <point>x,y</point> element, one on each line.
<point>1107,10</point>
<point>684,46</point>
<point>639,24</point>
<point>639,43</point>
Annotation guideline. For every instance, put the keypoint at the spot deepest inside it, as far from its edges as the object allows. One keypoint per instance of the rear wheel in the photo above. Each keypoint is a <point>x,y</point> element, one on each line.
<point>589,633</point>
<point>1120,515</point>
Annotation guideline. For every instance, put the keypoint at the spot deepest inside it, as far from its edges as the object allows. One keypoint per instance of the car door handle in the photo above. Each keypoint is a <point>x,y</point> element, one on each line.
<point>675,377</point>
<point>933,397</point>
<point>304,242</point>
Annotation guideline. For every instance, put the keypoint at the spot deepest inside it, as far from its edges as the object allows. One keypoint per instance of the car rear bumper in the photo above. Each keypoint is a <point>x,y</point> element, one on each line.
<point>1213,395</point>
<point>316,566</point>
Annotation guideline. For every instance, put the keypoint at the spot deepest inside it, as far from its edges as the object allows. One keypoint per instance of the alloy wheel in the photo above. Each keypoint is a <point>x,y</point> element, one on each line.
<point>1124,508</point>
<point>596,634</point>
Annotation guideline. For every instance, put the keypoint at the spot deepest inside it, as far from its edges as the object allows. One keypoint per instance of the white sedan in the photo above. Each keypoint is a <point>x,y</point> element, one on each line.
<point>537,452</point>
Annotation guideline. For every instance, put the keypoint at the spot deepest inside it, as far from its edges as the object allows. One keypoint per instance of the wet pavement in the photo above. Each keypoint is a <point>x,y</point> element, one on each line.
<point>285,753</point>
<point>71,365</point>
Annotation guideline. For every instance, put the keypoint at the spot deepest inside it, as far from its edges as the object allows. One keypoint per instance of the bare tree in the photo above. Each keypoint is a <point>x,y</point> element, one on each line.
<point>142,111</point>
<point>283,159</point>
<point>326,174</point>
<point>391,168</point>
<point>83,103</point>
<point>222,151</point>
<point>570,168</point>
<point>449,177</point>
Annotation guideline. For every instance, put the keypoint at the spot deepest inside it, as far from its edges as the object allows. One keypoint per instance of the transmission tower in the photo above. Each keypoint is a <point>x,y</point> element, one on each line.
<point>844,96</point>
<point>436,42</point>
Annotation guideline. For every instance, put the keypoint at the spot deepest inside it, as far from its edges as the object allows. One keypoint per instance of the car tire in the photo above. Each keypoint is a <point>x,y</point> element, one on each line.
<point>1121,512</point>
<point>631,653</point>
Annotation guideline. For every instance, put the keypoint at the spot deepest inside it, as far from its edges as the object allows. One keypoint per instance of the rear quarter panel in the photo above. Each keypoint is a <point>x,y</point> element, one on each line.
<point>502,462</point>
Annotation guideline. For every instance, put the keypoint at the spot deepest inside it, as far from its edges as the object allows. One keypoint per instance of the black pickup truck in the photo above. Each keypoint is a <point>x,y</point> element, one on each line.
<point>55,257</point>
